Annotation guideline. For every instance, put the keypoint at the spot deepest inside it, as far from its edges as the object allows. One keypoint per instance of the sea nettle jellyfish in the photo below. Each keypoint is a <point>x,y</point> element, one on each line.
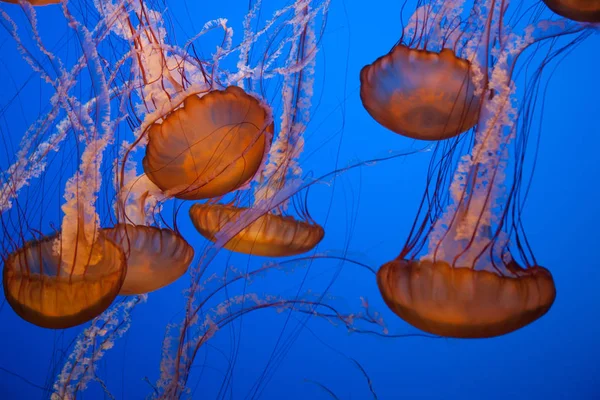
<point>270,235</point>
<point>156,257</point>
<point>470,283</point>
<point>576,10</point>
<point>210,146</point>
<point>204,139</point>
<point>33,2</point>
<point>51,291</point>
<point>426,87</point>
<point>263,228</point>
<point>60,270</point>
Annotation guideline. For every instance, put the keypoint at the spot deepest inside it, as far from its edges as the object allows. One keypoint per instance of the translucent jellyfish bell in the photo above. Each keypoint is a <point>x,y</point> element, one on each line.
<point>155,257</point>
<point>420,94</point>
<point>576,10</point>
<point>44,290</point>
<point>461,302</point>
<point>270,235</point>
<point>211,146</point>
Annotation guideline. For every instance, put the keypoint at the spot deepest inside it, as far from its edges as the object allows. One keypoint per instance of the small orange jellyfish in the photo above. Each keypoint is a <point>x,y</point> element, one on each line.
<point>51,292</point>
<point>269,235</point>
<point>155,257</point>
<point>211,146</point>
<point>420,94</point>
<point>576,10</point>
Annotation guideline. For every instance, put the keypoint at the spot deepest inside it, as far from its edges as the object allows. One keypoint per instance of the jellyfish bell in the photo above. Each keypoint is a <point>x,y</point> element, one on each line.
<point>156,257</point>
<point>420,94</point>
<point>269,235</point>
<point>468,285</point>
<point>211,146</point>
<point>50,291</point>
<point>461,302</point>
<point>576,10</point>
<point>427,86</point>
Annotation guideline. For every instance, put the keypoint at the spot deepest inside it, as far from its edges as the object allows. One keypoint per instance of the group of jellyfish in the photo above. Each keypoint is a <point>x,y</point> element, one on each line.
<point>448,78</point>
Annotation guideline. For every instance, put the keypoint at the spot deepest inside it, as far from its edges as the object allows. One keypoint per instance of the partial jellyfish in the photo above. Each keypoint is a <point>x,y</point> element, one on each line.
<point>269,235</point>
<point>210,146</point>
<point>34,2</point>
<point>426,87</point>
<point>156,257</point>
<point>466,270</point>
<point>576,10</point>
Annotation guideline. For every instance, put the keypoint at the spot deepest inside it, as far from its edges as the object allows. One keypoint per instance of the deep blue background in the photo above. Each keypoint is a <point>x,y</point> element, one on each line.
<point>369,212</point>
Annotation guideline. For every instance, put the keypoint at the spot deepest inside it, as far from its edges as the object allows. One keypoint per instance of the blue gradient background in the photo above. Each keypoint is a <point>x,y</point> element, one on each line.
<point>368,212</point>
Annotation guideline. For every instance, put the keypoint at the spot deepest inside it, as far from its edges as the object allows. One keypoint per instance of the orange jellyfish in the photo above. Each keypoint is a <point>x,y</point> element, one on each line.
<point>34,2</point>
<point>420,94</point>
<point>468,284</point>
<point>425,87</point>
<point>576,10</point>
<point>50,291</point>
<point>269,235</point>
<point>211,146</point>
<point>457,301</point>
<point>155,257</point>
<point>467,270</point>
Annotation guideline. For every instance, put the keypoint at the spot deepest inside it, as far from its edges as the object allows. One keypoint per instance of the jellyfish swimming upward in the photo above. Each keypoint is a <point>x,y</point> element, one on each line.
<point>466,270</point>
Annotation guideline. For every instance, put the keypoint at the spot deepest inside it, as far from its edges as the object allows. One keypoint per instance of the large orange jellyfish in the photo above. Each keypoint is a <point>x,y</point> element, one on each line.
<point>577,10</point>
<point>455,300</point>
<point>50,291</point>
<point>155,257</point>
<point>424,88</point>
<point>466,271</point>
<point>211,146</point>
<point>45,290</point>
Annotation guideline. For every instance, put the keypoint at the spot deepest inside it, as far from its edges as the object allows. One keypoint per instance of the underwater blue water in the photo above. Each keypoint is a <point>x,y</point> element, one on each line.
<point>366,214</point>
